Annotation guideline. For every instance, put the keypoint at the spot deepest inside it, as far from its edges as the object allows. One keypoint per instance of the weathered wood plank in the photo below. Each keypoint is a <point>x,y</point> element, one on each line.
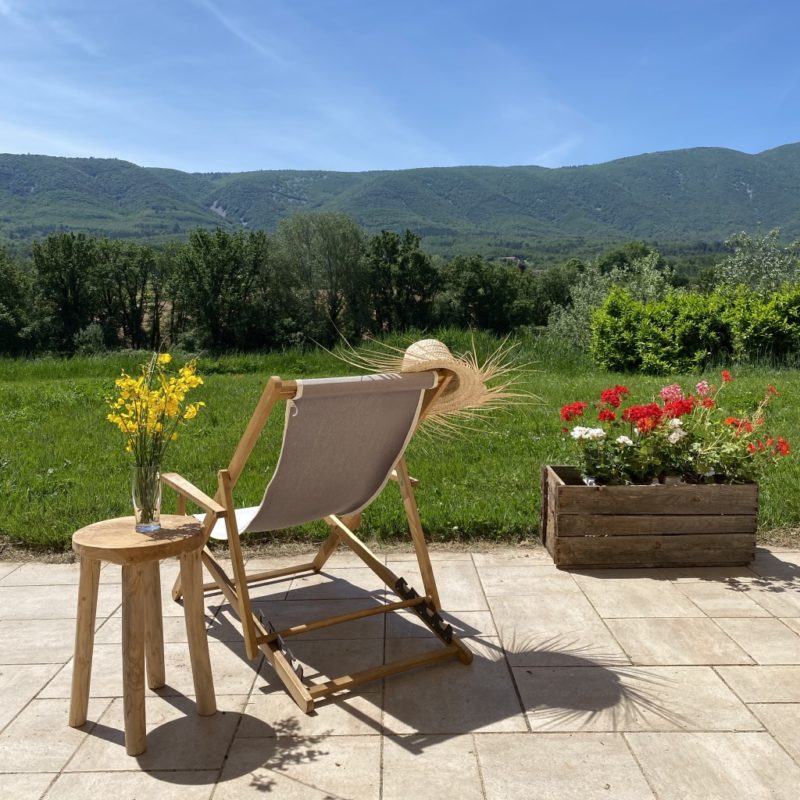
<point>655,524</point>
<point>688,550</point>
<point>682,499</point>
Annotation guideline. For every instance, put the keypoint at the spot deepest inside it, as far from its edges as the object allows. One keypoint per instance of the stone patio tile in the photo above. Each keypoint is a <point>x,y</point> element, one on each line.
<point>19,683</point>
<point>591,576</point>
<point>444,767</point>
<point>527,579</point>
<point>781,720</point>
<point>449,697</point>
<point>784,565</point>
<point>714,574</point>
<point>466,624</point>
<point>330,659</point>
<point>337,584</point>
<point>792,622</point>
<point>768,641</point>
<point>177,737</point>
<point>779,598</point>
<point>6,568</point>
<point>233,673</point>
<point>195,785</point>
<point>306,768</point>
<point>457,581</point>
<point>512,556</point>
<point>721,598</point>
<point>285,614</point>
<point>637,597</point>
<point>630,699</point>
<point>275,714</point>
<point>764,684</point>
<point>52,602</point>
<point>36,574</point>
<point>26,785</point>
<point>554,629</point>
<point>40,740</point>
<point>49,641</point>
<point>700,766</point>
<point>681,640</point>
<point>579,766</point>
<point>435,556</point>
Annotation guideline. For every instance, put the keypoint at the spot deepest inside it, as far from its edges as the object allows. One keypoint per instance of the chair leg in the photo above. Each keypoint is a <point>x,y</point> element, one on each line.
<point>133,658</point>
<point>325,551</point>
<point>153,626</point>
<point>84,641</point>
<point>237,564</point>
<point>193,611</point>
<point>417,534</point>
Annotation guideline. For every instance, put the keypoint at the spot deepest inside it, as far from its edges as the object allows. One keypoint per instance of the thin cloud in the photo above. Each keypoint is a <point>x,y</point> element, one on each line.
<point>233,27</point>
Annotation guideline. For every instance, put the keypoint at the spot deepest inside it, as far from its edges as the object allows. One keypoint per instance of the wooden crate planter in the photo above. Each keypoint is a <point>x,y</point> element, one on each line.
<point>685,525</point>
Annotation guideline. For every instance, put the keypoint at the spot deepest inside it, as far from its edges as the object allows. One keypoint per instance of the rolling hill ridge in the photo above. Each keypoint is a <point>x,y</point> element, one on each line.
<point>700,194</point>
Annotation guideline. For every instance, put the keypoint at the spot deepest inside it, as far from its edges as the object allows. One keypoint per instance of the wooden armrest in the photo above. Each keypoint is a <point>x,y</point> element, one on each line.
<point>393,477</point>
<point>191,492</point>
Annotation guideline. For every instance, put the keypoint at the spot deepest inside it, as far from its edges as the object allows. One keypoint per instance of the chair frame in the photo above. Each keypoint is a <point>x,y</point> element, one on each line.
<point>260,638</point>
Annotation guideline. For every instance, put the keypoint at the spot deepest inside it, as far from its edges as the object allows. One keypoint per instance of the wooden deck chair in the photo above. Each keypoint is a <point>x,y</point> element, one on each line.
<point>343,440</point>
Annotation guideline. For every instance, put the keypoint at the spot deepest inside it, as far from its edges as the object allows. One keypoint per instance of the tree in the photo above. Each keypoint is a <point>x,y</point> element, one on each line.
<point>402,283</point>
<point>759,262</point>
<point>14,305</point>
<point>644,278</point>
<point>482,295</point>
<point>66,277</point>
<point>326,253</point>
<point>126,273</point>
<point>230,288</point>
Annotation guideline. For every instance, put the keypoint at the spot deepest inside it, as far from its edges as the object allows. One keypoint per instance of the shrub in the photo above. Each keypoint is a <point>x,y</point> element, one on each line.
<point>680,333</point>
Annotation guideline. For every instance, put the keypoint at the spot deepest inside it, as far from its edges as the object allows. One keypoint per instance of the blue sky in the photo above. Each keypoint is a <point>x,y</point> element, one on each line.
<point>230,85</point>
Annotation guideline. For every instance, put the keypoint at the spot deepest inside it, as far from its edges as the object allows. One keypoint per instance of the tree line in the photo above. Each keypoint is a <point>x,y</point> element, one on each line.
<point>318,277</point>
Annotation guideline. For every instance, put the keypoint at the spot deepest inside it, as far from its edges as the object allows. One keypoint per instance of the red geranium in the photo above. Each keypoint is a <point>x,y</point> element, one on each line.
<point>606,415</point>
<point>573,410</point>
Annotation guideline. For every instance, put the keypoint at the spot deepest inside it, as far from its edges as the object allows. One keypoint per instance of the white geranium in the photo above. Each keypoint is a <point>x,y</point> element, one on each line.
<point>626,440</point>
<point>675,422</point>
<point>592,434</point>
<point>676,435</point>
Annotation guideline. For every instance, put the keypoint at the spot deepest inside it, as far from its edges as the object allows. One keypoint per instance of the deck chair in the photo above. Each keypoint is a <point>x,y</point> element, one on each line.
<point>343,441</point>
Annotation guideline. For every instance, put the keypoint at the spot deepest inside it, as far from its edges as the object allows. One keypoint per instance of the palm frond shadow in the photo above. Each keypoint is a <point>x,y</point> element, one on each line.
<point>576,687</point>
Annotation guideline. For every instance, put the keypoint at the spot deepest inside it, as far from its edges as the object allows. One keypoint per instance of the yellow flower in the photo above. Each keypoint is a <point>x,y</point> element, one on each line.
<point>148,408</point>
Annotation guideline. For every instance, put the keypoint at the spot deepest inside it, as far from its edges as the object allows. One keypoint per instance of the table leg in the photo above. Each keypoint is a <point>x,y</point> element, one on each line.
<point>133,658</point>
<point>153,626</point>
<point>192,581</point>
<point>84,640</point>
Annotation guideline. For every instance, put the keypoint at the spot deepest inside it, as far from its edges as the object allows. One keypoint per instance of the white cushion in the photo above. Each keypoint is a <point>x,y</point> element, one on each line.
<point>244,517</point>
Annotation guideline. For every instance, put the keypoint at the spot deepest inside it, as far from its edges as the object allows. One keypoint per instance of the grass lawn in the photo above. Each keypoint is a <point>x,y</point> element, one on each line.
<point>62,464</point>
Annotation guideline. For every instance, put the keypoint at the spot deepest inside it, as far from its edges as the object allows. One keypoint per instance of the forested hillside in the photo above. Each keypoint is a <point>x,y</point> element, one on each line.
<point>702,194</point>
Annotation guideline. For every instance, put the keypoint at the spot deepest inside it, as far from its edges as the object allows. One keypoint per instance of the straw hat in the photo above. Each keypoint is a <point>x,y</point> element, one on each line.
<point>467,385</point>
<point>474,387</point>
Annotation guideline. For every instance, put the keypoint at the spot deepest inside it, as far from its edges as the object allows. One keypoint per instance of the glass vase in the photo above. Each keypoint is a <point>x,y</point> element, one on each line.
<point>146,496</point>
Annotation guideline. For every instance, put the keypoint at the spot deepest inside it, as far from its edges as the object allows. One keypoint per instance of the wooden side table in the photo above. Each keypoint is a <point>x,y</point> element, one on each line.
<point>115,540</point>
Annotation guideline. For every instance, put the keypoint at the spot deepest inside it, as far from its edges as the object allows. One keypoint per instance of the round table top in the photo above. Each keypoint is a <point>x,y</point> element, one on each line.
<point>117,541</point>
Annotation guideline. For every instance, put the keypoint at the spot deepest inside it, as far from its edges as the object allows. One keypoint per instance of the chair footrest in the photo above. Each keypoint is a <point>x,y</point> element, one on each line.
<point>348,681</point>
<point>425,611</point>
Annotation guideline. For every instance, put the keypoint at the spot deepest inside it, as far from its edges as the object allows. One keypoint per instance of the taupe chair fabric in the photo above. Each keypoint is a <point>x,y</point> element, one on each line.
<point>342,438</point>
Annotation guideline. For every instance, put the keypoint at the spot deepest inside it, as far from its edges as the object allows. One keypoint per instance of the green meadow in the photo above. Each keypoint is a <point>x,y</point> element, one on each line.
<point>62,465</point>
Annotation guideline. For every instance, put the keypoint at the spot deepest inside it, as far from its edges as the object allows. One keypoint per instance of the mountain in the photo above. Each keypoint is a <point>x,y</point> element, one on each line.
<point>701,194</point>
